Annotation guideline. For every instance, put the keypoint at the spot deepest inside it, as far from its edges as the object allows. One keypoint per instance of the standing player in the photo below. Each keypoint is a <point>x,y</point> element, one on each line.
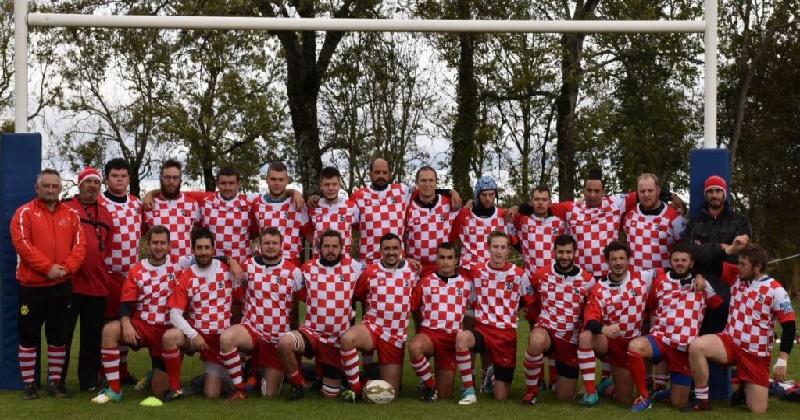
<point>50,245</point>
<point>613,317</point>
<point>272,285</point>
<point>175,210</point>
<point>228,214</point>
<point>500,288</point>
<point>652,227</point>
<point>277,209</point>
<point>380,209</point>
<point>561,289</point>
<point>126,232</point>
<point>442,299</point>
<point>428,221</point>
<point>678,308</point>
<point>205,289</point>
<point>331,212</point>
<point>385,289</point>
<point>757,303</point>
<point>595,221</point>
<point>330,282</point>
<point>143,315</point>
<point>473,226</point>
<point>537,229</point>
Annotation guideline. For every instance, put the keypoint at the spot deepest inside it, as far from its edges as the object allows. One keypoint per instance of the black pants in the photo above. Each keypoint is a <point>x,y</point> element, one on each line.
<point>91,312</point>
<point>48,306</point>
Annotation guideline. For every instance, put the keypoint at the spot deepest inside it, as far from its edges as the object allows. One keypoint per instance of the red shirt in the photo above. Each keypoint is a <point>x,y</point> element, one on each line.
<point>92,277</point>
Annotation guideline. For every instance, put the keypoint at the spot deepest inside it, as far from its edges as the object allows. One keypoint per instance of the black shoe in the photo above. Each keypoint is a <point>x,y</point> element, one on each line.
<point>174,395</point>
<point>738,398</point>
<point>128,380</point>
<point>30,392</point>
<point>298,392</point>
<point>428,394</point>
<point>58,390</point>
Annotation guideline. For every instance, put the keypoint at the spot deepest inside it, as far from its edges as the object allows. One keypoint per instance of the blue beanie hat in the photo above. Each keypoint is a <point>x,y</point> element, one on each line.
<point>484,183</point>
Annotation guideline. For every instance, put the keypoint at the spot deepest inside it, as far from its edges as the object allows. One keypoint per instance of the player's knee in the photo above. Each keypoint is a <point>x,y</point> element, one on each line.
<point>348,340</point>
<point>415,349</point>
<point>111,331</point>
<point>171,337</point>
<point>758,407</point>
<point>537,343</point>
<point>462,340</point>
<point>638,345</point>
<point>585,338</point>
<point>227,340</point>
<point>696,348</point>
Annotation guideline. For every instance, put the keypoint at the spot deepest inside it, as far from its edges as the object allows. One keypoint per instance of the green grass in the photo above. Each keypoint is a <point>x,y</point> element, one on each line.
<point>405,407</point>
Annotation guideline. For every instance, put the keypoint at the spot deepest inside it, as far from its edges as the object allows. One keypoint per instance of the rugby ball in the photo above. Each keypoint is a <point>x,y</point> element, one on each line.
<point>379,392</point>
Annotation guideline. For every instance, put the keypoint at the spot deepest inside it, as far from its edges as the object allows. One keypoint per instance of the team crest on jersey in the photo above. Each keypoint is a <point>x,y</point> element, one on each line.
<point>220,285</point>
<point>459,292</point>
<point>407,283</point>
<point>185,213</point>
<point>509,286</point>
<point>341,277</point>
<point>242,209</point>
<point>760,298</point>
<point>342,218</point>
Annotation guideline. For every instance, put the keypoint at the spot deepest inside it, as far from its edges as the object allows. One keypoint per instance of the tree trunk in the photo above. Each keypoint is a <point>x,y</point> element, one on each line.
<point>525,177</point>
<point>306,136</point>
<point>135,182</point>
<point>566,124</point>
<point>465,124</point>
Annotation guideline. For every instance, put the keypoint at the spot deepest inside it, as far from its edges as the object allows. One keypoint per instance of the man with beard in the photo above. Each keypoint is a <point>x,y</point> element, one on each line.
<point>561,289</point>
<point>89,284</point>
<point>758,302</point>
<point>205,290</point>
<point>329,285</point>
<point>678,308</point>
<point>385,290</point>
<point>143,315</point>
<point>441,299</point>
<point>272,284</point>
<point>51,246</point>
<point>126,232</point>
<point>173,209</point>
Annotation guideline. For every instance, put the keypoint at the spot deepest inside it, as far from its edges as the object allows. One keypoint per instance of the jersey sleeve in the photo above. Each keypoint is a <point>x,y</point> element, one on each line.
<point>200,197</point>
<point>21,238</point>
<point>593,311</point>
<point>130,290</point>
<point>458,224</point>
<point>561,209</point>
<point>416,296</point>
<point>526,293</point>
<point>713,300</point>
<point>362,286</point>
<point>782,305</point>
<point>677,228</point>
<point>179,298</point>
<point>298,283</point>
<point>651,303</point>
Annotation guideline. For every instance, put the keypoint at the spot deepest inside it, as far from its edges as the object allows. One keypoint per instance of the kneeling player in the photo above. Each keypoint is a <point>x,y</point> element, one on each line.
<point>142,315</point>
<point>561,290</point>
<point>385,290</point>
<point>272,285</point>
<point>612,318</point>
<point>441,300</point>
<point>206,290</point>
<point>757,303</point>
<point>330,282</point>
<point>499,288</point>
<point>677,301</point>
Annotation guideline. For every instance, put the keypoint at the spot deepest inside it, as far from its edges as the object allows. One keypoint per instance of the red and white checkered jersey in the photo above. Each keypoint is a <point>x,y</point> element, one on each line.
<point>288,219</point>
<point>754,309</point>
<point>329,297</point>
<point>473,232</point>
<point>379,213</point>
<point>536,236</point>
<point>339,216</point>
<point>125,233</point>
<point>499,294</point>
<point>594,228</point>
<point>651,236</point>
<point>269,293</point>
<point>562,298</point>
<point>678,309</point>
<point>426,228</point>
<point>231,222</point>
<point>206,294</point>
<point>150,286</point>
<point>179,216</point>
<point>387,294</point>
<point>620,303</point>
<point>442,303</point>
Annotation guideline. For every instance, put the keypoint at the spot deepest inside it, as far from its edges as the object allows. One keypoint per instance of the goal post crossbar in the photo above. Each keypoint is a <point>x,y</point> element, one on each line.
<point>707,26</point>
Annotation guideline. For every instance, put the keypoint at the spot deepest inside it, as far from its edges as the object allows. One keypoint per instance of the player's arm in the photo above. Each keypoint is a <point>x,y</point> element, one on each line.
<point>176,303</point>
<point>458,225</point>
<point>784,313</point>
<point>78,252</point>
<point>361,290</point>
<point>27,251</point>
<point>593,315</point>
<point>128,297</point>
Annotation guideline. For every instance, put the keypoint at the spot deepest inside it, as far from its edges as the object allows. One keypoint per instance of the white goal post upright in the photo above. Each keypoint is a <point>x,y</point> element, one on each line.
<point>708,26</point>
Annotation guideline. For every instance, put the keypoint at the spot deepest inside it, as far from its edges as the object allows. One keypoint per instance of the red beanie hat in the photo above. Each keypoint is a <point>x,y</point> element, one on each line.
<point>716,181</point>
<point>87,173</point>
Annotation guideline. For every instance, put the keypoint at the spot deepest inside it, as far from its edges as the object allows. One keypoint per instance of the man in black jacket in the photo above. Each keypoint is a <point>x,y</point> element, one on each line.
<point>716,235</point>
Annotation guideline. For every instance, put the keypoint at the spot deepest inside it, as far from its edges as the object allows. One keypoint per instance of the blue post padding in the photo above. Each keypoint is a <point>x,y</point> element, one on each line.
<point>702,164</point>
<point>21,159</point>
<point>719,382</point>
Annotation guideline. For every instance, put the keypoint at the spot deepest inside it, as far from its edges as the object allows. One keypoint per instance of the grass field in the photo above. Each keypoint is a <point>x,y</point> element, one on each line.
<point>406,406</point>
